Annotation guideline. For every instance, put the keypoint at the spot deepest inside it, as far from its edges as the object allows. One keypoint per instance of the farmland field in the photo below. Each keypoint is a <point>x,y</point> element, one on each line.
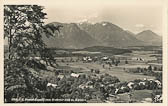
<point>139,96</point>
<point>119,71</point>
<point>114,71</point>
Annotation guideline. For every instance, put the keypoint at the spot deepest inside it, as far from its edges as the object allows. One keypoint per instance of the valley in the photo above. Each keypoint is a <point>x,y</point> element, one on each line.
<point>75,63</point>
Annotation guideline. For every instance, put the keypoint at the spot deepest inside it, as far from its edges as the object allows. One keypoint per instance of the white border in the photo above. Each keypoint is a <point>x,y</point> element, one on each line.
<point>41,2</point>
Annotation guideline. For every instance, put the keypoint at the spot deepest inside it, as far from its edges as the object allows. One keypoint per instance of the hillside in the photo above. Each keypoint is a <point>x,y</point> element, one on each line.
<point>70,36</point>
<point>110,50</point>
<point>82,35</point>
<point>110,34</point>
<point>149,37</point>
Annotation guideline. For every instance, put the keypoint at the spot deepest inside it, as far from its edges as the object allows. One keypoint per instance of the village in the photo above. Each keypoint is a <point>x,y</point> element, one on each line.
<point>119,78</point>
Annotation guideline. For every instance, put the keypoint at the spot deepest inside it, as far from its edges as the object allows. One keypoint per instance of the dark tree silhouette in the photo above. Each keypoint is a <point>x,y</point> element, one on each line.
<point>23,28</point>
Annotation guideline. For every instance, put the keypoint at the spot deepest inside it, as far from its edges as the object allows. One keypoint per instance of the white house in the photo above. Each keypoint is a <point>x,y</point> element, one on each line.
<point>52,85</point>
<point>74,75</point>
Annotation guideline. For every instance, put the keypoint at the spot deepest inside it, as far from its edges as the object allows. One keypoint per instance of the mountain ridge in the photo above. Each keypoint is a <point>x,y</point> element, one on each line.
<point>110,34</point>
<point>82,35</point>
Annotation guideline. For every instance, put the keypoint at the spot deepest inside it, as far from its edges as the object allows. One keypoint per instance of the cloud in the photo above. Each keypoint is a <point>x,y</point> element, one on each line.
<point>83,20</point>
<point>95,15</point>
<point>88,18</point>
<point>140,25</point>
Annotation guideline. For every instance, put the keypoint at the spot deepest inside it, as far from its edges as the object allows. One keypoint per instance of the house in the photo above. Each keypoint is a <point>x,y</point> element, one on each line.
<point>50,68</point>
<point>74,75</point>
<point>138,59</point>
<point>87,59</point>
<point>52,85</point>
<point>82,86</point>
<point>142,83</point>
<point>105,58</point>
<point>60,76</point>
<point>159,84</point>
<point>130,85</point>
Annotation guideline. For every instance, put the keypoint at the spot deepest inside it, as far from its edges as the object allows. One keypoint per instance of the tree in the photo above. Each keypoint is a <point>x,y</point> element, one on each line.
<point>160,69</point>
<point>126,62</point>
<point>138,69</point>
<point>23,28</point>
<point>150,68</point>
<point>113,62</point>
<point>92,70</point>
<point>155,68</point>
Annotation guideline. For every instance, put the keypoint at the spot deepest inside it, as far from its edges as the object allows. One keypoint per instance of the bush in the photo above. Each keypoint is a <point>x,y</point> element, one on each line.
<point>97,71</point>
<point>154,95</point>
<point>110,80</point>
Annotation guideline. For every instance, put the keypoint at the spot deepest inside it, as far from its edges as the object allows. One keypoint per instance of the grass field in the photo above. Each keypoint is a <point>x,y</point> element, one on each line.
<point>141,94</point>
<point>137,96</point>
<point>118,71</point>
<point>115,71</point>
<point>75,64</point>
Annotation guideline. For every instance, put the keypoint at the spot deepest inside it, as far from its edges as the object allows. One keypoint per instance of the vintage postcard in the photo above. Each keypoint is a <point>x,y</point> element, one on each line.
<point>84,51</point>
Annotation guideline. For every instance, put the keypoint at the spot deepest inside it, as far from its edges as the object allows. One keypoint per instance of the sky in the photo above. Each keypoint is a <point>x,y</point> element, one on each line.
<point>133,16</point>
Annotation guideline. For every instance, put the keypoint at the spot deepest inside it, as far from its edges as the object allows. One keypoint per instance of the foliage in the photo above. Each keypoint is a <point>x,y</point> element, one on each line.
<point>147,71</point>
<point>23,28</point>
<point>107,79</point>
<point>157,96</point>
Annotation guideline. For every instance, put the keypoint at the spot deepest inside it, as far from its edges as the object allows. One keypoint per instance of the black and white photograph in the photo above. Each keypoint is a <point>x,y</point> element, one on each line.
<point>83,52</point>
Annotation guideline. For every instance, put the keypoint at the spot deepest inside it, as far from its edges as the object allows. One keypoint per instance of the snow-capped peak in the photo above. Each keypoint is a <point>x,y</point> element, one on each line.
<point>104,24</point>
<point>82,21</point>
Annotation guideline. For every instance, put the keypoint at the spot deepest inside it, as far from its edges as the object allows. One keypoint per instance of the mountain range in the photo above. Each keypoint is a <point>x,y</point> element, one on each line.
<point>82,35</point>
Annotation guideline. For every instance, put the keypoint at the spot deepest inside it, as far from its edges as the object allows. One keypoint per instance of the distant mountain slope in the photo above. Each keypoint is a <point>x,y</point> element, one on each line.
<point>82,35</point>
<point>70,36</point>
<point>110,34</point>
<point>131,33</point>
<point>104,49</point>
<point>149,37</point>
